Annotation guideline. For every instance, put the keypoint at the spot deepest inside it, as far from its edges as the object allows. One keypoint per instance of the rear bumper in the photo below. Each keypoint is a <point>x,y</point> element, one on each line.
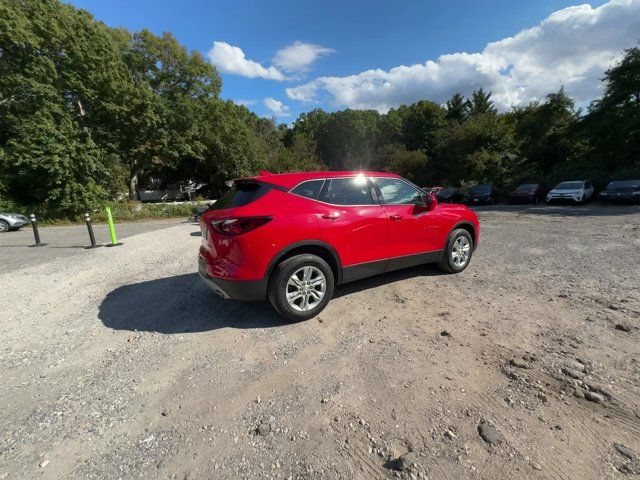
<point>617,198</point>
<point>572,199</point>
<point>234,289</point>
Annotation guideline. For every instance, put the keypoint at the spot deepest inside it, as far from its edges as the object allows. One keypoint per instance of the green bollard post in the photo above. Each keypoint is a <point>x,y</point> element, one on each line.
<point>112,229</point>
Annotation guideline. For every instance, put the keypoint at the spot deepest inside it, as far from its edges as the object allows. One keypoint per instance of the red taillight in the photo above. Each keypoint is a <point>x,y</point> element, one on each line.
<point>236,226</point>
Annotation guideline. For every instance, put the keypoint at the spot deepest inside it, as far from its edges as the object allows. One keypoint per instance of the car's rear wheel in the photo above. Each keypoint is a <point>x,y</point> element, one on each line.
<point>4,226</point>
<point>458,251</point>
<point>301,286</point>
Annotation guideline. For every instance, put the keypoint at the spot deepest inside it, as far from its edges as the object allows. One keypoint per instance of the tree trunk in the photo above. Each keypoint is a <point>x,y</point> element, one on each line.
<point>134,191</point>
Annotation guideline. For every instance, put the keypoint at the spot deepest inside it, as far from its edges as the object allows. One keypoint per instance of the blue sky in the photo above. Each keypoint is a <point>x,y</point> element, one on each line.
<point>378,54</point>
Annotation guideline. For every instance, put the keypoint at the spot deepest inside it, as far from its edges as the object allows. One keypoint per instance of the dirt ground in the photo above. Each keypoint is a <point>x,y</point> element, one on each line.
<point>120,363</point>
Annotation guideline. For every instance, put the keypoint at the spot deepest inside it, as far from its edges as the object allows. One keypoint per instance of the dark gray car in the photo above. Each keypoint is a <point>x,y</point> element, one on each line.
<point>12,221</point>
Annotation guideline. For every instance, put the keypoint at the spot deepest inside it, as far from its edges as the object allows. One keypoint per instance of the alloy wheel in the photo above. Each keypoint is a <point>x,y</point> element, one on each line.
<point>306,288</point>
<point>461,251</point>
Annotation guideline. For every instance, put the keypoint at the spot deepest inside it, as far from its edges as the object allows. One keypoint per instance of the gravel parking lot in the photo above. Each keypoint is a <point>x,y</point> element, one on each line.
<point>65,241</point>
<point>120,363</point>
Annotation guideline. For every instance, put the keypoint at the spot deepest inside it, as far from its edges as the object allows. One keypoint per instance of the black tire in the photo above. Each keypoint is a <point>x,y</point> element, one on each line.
<point>4,226</point>
<point>447,264</point>
<point>277,290</point>
<point>536,200</point>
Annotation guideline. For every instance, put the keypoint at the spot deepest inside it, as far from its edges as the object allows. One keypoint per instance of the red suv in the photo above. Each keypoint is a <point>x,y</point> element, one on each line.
<point>293,237</point>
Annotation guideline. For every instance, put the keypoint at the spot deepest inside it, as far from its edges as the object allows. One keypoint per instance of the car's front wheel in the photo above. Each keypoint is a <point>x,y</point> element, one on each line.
<point>458,251</point>
<point>301,286</point>
<point>4,226</point>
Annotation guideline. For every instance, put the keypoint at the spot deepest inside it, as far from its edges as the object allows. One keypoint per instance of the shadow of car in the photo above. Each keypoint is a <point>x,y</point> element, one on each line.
<point>182,304</point>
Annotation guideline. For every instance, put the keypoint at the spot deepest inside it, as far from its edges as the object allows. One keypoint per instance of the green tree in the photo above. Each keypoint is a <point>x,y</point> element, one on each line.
<point>546,133</point>
<point>457,108</point>
<point>351,139</point>
<point>421,124</point>
<point>480,103</point>
<point>411,164</point>
<point>60,78</point>
<point>481,149</point>
<point>171,92</point>
<point>612,125</point>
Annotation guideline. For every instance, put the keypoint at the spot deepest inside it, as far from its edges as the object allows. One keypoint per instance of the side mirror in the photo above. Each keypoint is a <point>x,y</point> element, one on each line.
<point>433,201</point>
<point>429,202</point>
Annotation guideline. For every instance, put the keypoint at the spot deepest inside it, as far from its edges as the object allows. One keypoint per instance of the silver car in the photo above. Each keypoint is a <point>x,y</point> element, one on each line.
<point>12,221</point>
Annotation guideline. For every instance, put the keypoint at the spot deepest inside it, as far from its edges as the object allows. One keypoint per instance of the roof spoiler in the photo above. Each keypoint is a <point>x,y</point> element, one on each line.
<point>257,179</point>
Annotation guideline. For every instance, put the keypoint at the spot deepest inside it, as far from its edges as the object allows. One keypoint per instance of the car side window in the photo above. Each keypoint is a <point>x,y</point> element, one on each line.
<point>397,192</point>
<point>309,189</point>
<point>346,191</point>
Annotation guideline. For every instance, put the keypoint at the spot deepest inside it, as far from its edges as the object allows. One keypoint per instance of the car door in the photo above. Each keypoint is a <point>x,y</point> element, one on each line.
<point>588,190</point>
<point>355,225</point>
<point>415,232</point>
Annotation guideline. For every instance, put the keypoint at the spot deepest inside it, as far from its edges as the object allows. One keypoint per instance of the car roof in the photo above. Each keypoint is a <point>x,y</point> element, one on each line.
<point>289,180</point>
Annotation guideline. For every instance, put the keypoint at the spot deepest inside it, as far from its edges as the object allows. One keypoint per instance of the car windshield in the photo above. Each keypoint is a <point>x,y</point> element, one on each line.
<point>570,186</point>
<point>624,185</point>
<point>527,187</point>
<point>480,189</point>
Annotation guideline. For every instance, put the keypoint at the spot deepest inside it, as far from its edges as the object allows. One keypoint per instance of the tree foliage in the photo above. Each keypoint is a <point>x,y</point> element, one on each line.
<point>89,113</point>
<point>612,126</point>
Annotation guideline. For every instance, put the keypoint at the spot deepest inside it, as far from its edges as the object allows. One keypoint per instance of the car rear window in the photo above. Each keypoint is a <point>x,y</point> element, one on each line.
<point>624,185</point>
<point>240,194</point>
<point>309,189</point>
<point>570,186</point>
<point>527,187</point>
<point>480,189</point>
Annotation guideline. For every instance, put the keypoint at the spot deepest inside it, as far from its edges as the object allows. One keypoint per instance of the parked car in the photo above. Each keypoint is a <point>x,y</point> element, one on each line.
<point>12,221</point>
<point>528,193</point>
<point>449,195</point>
<point>482,194</point>
<point>621,191</point>
<point>293,237</point>
<point>575,191</point>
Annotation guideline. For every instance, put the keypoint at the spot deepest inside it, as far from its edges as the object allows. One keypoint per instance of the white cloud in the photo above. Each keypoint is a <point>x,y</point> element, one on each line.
<point>299,56</point>
<point>276,107</point>
<point>296,58</point>
<point>231,59</point>
<point>245,102</point>
<point>571,47</point>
